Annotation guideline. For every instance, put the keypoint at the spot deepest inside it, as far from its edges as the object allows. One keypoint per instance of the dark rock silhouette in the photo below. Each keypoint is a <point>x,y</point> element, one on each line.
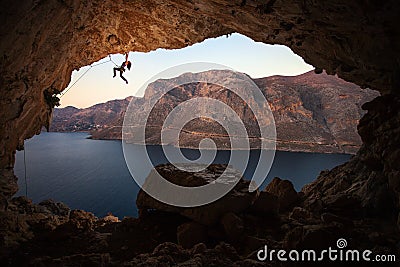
<point>166,235</point>
<point>285,193</point>
<point>237,200</point>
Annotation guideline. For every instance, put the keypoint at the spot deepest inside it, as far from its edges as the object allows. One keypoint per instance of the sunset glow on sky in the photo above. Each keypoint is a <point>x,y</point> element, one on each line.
<point>236,51</point>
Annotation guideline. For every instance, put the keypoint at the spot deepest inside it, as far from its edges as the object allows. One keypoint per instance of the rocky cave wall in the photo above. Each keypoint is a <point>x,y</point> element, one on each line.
<point>43,41</point>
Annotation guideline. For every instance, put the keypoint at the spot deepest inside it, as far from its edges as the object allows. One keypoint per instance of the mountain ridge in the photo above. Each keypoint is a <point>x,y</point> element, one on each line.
<point>305,107</point>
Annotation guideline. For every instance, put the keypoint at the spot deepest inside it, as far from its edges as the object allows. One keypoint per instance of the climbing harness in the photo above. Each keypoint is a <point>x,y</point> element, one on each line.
<point>80,77</point>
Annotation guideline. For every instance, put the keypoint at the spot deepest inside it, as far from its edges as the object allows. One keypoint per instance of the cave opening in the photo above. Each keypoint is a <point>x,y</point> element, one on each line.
<point>78,174</point>
<point>235,51</point>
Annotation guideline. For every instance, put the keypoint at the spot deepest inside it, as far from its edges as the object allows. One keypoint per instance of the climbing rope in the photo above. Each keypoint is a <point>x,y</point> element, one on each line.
<point>26,183</point>
<point>80,77</point>
<point>113,61</point>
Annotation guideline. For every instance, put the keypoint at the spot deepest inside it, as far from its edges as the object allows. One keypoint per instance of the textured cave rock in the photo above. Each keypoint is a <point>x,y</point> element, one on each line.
<point>370,181</point>
<point>42,42</point>
<point>50,234</point>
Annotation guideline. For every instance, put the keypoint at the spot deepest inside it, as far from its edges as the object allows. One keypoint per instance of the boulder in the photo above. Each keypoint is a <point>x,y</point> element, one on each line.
<point>284,191</point>
<point>236,200</point>
<point>110,219</point>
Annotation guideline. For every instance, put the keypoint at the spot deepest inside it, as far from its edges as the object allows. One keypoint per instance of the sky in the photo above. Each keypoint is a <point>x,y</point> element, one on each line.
<point>236,51</point>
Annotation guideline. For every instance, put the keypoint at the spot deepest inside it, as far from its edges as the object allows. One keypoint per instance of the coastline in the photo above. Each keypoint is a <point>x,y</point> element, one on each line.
<point>313,148</point>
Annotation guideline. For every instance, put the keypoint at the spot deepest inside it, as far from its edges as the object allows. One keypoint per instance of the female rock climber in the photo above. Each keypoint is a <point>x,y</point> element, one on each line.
<point>121,69</point>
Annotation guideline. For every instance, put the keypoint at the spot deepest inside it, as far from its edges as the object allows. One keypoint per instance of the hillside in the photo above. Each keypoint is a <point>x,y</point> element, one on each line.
<point>312,112</point>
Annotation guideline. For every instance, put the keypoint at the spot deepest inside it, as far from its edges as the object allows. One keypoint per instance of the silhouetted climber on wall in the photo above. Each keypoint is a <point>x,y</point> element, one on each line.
<point>121,69</point>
